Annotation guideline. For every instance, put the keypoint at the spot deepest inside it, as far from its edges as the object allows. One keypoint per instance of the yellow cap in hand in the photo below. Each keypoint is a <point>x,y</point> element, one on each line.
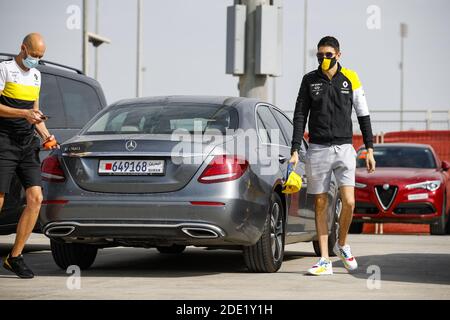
<point>293,184</point>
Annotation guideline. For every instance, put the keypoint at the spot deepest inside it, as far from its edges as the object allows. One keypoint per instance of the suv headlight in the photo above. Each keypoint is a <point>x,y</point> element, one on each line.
<point>429,185</point>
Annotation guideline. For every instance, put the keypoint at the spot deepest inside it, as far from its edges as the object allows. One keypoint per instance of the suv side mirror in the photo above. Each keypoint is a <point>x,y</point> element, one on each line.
<point>445,165</point>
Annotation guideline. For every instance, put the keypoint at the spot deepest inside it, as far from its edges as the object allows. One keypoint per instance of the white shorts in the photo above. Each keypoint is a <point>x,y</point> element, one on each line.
<point>322,161</point>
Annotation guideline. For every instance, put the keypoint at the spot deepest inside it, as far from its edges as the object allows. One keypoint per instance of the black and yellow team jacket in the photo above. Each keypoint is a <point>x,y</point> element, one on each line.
<point>328,103</point>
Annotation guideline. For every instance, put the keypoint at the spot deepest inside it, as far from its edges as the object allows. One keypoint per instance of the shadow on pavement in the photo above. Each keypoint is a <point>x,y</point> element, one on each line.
<point>6,248</point>
<point>432,268</point>
<point>293,255</point>
<point>126,262</point>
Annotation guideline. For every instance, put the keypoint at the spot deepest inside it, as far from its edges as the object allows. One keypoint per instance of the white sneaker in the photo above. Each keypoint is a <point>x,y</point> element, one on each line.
<point>323,267</point>
<point>346,256</point>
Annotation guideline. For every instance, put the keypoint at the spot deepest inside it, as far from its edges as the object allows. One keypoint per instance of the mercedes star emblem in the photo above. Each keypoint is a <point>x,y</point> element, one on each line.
<point>130,145</point>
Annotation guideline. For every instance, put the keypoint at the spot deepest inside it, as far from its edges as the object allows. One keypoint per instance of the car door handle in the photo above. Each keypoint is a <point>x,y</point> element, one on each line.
<point>282,158</point>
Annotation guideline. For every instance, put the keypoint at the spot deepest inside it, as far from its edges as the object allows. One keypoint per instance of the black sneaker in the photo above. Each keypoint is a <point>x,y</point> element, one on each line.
<point>17,265</point>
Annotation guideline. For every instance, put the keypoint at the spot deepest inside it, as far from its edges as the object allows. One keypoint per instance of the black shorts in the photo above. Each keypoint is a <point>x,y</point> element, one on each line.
<point>21,156</point>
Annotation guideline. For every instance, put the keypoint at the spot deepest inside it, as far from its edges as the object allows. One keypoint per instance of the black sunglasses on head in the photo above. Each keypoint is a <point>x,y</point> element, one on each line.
<point>327,55</point>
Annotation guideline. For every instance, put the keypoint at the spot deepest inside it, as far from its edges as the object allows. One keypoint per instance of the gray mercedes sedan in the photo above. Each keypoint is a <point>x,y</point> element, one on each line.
<point>170,172</point>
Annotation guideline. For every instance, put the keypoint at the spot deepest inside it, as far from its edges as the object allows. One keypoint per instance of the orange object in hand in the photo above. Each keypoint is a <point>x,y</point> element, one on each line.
<point>363,155</point>
<point>49,144</point>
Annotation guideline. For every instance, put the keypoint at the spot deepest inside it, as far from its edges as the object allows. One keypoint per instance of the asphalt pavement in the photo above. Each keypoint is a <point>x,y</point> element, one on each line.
<point>390,267</point>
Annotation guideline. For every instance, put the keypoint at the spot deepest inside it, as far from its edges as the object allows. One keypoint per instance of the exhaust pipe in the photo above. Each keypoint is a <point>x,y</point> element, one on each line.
<point>59,231</point>
<point>200,233</point>
<point>194,230</point>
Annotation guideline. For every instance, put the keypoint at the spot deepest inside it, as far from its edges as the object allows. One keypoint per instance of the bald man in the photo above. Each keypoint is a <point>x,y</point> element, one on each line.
<point>20,118</point>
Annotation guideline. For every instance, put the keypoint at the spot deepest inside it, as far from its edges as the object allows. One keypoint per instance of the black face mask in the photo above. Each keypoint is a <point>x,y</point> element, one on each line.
<point>327,64</point>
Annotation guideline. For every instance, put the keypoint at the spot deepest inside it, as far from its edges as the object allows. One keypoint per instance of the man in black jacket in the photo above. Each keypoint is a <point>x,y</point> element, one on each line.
<point>327,96</point>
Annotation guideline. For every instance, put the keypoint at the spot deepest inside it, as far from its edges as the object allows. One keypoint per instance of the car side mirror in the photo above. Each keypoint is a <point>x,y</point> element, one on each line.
<point>445,165</point>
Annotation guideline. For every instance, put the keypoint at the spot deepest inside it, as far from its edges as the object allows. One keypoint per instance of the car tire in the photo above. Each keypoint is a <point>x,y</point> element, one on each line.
<point>440,228</point>
<point>173,249</point>
<point>333,236</point>
<point>67,254</point>
<point>356,228</point>
<point>267,254</point>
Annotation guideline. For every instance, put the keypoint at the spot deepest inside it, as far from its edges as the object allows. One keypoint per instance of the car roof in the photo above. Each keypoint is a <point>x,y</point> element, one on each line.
<point>200,99</point>
<point>57,69</point>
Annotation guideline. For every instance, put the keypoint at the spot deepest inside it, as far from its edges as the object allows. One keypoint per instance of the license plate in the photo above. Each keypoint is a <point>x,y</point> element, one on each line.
<point>419,196</point>
<point>131,167</point>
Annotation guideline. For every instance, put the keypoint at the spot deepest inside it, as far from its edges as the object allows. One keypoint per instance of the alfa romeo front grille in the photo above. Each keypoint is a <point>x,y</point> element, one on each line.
<point>386,195</point>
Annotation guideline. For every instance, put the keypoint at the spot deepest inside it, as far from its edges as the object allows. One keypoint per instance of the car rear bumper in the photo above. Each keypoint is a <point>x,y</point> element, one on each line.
<point>147,223</point>
<point>128,231</point>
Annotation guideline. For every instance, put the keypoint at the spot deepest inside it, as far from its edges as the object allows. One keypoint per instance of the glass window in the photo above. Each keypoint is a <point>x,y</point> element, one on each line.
<point>271,125</point>
<point>399,157</point>
<point>50,102</point>
<point>155,119</point>
<point>264,135</point>
<point>80,100</point>
<point>285,123</point>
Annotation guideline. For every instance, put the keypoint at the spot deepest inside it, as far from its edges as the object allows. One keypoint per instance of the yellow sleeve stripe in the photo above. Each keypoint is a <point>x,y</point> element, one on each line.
<point>353,77</point>
<point>21,92</point>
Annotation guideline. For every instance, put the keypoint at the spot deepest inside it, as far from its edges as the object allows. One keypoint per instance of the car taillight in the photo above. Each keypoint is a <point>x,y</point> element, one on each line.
<point>224,168</point>
<point>51,170</point>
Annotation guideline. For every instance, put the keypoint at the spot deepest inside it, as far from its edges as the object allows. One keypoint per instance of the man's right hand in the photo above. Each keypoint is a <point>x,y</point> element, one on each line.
<point>294,158</point>
<point>33,116</point>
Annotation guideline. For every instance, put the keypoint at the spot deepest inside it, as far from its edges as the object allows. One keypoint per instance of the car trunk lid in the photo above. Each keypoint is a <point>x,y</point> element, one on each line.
<point>182,159</point>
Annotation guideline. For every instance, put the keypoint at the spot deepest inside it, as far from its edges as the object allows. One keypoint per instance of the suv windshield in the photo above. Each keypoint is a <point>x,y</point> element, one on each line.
<point>156,119</point>
<point>399,157</point>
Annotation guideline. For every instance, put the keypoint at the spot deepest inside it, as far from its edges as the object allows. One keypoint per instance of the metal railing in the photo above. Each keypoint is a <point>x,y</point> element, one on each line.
<point>386,120</point>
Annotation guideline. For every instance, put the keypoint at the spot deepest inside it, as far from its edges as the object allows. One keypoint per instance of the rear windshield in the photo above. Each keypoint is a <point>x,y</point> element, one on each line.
<point>155,119</point>
<point>399,157</point>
